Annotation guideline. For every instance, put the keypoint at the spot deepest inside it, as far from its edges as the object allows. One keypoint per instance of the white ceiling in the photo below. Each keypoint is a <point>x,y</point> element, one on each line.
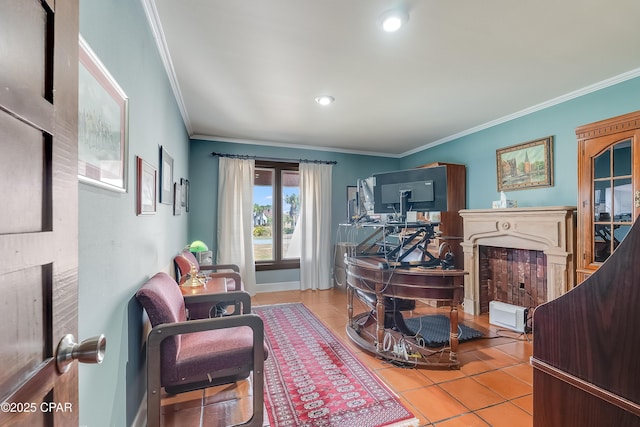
<point>248,70</point>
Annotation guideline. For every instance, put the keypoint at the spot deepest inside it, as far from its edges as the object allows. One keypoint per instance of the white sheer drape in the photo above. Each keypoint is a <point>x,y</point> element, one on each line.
<point>235,217</point>
<point>315,223</point>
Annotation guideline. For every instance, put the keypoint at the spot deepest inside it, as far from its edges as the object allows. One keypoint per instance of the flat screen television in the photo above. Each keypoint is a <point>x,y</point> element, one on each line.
<point>420,190</point>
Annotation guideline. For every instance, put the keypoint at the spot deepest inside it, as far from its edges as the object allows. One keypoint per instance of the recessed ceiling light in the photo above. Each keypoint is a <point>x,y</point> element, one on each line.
<point>392,20</point>
<point>325,99</point>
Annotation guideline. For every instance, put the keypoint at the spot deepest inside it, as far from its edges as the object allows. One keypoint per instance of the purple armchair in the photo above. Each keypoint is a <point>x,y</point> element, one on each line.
<point>184,355</point>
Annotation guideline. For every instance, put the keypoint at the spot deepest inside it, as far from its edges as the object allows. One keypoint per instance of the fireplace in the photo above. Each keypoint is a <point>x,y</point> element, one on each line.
<point>513,276</point>
<point>544,233</point>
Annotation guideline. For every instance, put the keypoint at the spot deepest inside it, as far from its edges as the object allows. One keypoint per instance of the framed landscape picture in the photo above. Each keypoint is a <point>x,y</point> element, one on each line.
<point>526,165</point>
<point>102,124</point>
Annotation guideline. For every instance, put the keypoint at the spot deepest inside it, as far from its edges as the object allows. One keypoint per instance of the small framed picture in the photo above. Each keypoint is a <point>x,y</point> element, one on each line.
<point>145,187</point>
<point>183,200</point>
<point>166,177</point>
<point>177,198</point>
<point>186,190</point>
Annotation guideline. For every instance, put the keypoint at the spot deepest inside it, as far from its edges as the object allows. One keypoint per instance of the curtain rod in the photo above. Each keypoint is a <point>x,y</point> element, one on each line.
<point>273,159</point>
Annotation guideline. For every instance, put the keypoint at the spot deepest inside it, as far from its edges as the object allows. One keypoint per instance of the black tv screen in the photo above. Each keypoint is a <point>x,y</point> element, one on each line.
<point>425,190</point>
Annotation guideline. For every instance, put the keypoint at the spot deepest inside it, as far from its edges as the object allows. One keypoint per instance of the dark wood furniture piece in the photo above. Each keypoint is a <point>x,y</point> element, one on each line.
<point>450,227</point>
<point>586,347</point>
<point>374,275</point>
<point>608,188</point>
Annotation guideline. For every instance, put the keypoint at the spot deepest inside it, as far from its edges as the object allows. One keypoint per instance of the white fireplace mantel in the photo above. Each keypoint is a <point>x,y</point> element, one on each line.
<point>547,229</point>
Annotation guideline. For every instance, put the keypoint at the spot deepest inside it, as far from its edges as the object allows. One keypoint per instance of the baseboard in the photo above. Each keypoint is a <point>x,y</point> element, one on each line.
<point>141,416</point>
<point>278,286</point>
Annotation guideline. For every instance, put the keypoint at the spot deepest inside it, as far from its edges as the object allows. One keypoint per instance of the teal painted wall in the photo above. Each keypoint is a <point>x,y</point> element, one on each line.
<point>118,250</point>
<point>204,187</point>
<point>478,151</point>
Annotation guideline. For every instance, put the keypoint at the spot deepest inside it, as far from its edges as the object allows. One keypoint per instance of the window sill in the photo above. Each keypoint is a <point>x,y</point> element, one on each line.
<point>282,265</point>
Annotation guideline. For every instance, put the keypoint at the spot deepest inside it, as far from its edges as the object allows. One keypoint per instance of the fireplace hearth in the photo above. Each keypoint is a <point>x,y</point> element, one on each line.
<point>513,276</point>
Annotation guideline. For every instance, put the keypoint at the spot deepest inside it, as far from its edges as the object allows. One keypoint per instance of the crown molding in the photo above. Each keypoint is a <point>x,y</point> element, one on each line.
<point>151,11</point>
<point>552,102</point>
<point>288,145</point>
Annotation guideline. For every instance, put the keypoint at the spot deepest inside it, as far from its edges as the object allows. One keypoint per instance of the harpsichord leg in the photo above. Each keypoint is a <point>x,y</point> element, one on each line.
<point>379,321</point>
<point>453,334</point>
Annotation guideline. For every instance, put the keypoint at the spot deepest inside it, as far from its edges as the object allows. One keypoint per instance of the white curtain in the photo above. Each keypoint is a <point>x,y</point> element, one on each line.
<point>315,225</point>
<point>235,217</point>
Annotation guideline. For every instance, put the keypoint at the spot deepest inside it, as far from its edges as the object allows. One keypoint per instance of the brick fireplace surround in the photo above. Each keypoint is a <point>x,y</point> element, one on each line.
<point>550,230</point>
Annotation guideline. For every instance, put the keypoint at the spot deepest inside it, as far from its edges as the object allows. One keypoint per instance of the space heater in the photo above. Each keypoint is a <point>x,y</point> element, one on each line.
<point>508,316</point>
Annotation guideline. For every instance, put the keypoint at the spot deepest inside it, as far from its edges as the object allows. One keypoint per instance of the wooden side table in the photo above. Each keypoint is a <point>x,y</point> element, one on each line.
<point>200,310</point>
<point>213,285</point>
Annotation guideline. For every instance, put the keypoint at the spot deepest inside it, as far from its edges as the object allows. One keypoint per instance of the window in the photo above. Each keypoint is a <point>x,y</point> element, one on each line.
<point>276,211</point>
<point>613,198</point>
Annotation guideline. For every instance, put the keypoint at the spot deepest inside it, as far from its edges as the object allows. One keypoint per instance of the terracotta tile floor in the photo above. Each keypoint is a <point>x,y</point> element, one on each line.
<point>493,387</point>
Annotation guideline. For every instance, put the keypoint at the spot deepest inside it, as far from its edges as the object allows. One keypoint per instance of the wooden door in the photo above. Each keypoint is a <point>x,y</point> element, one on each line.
<point>38,218</point>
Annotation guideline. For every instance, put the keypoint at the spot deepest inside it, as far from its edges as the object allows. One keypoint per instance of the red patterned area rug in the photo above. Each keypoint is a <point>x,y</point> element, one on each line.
<point>313,380</point>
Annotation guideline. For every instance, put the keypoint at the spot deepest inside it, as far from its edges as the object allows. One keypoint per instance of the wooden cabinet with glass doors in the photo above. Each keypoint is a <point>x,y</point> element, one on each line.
<point>608,188</point>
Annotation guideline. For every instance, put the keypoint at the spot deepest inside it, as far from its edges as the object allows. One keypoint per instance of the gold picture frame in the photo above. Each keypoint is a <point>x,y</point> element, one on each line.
<point>526,165</point>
